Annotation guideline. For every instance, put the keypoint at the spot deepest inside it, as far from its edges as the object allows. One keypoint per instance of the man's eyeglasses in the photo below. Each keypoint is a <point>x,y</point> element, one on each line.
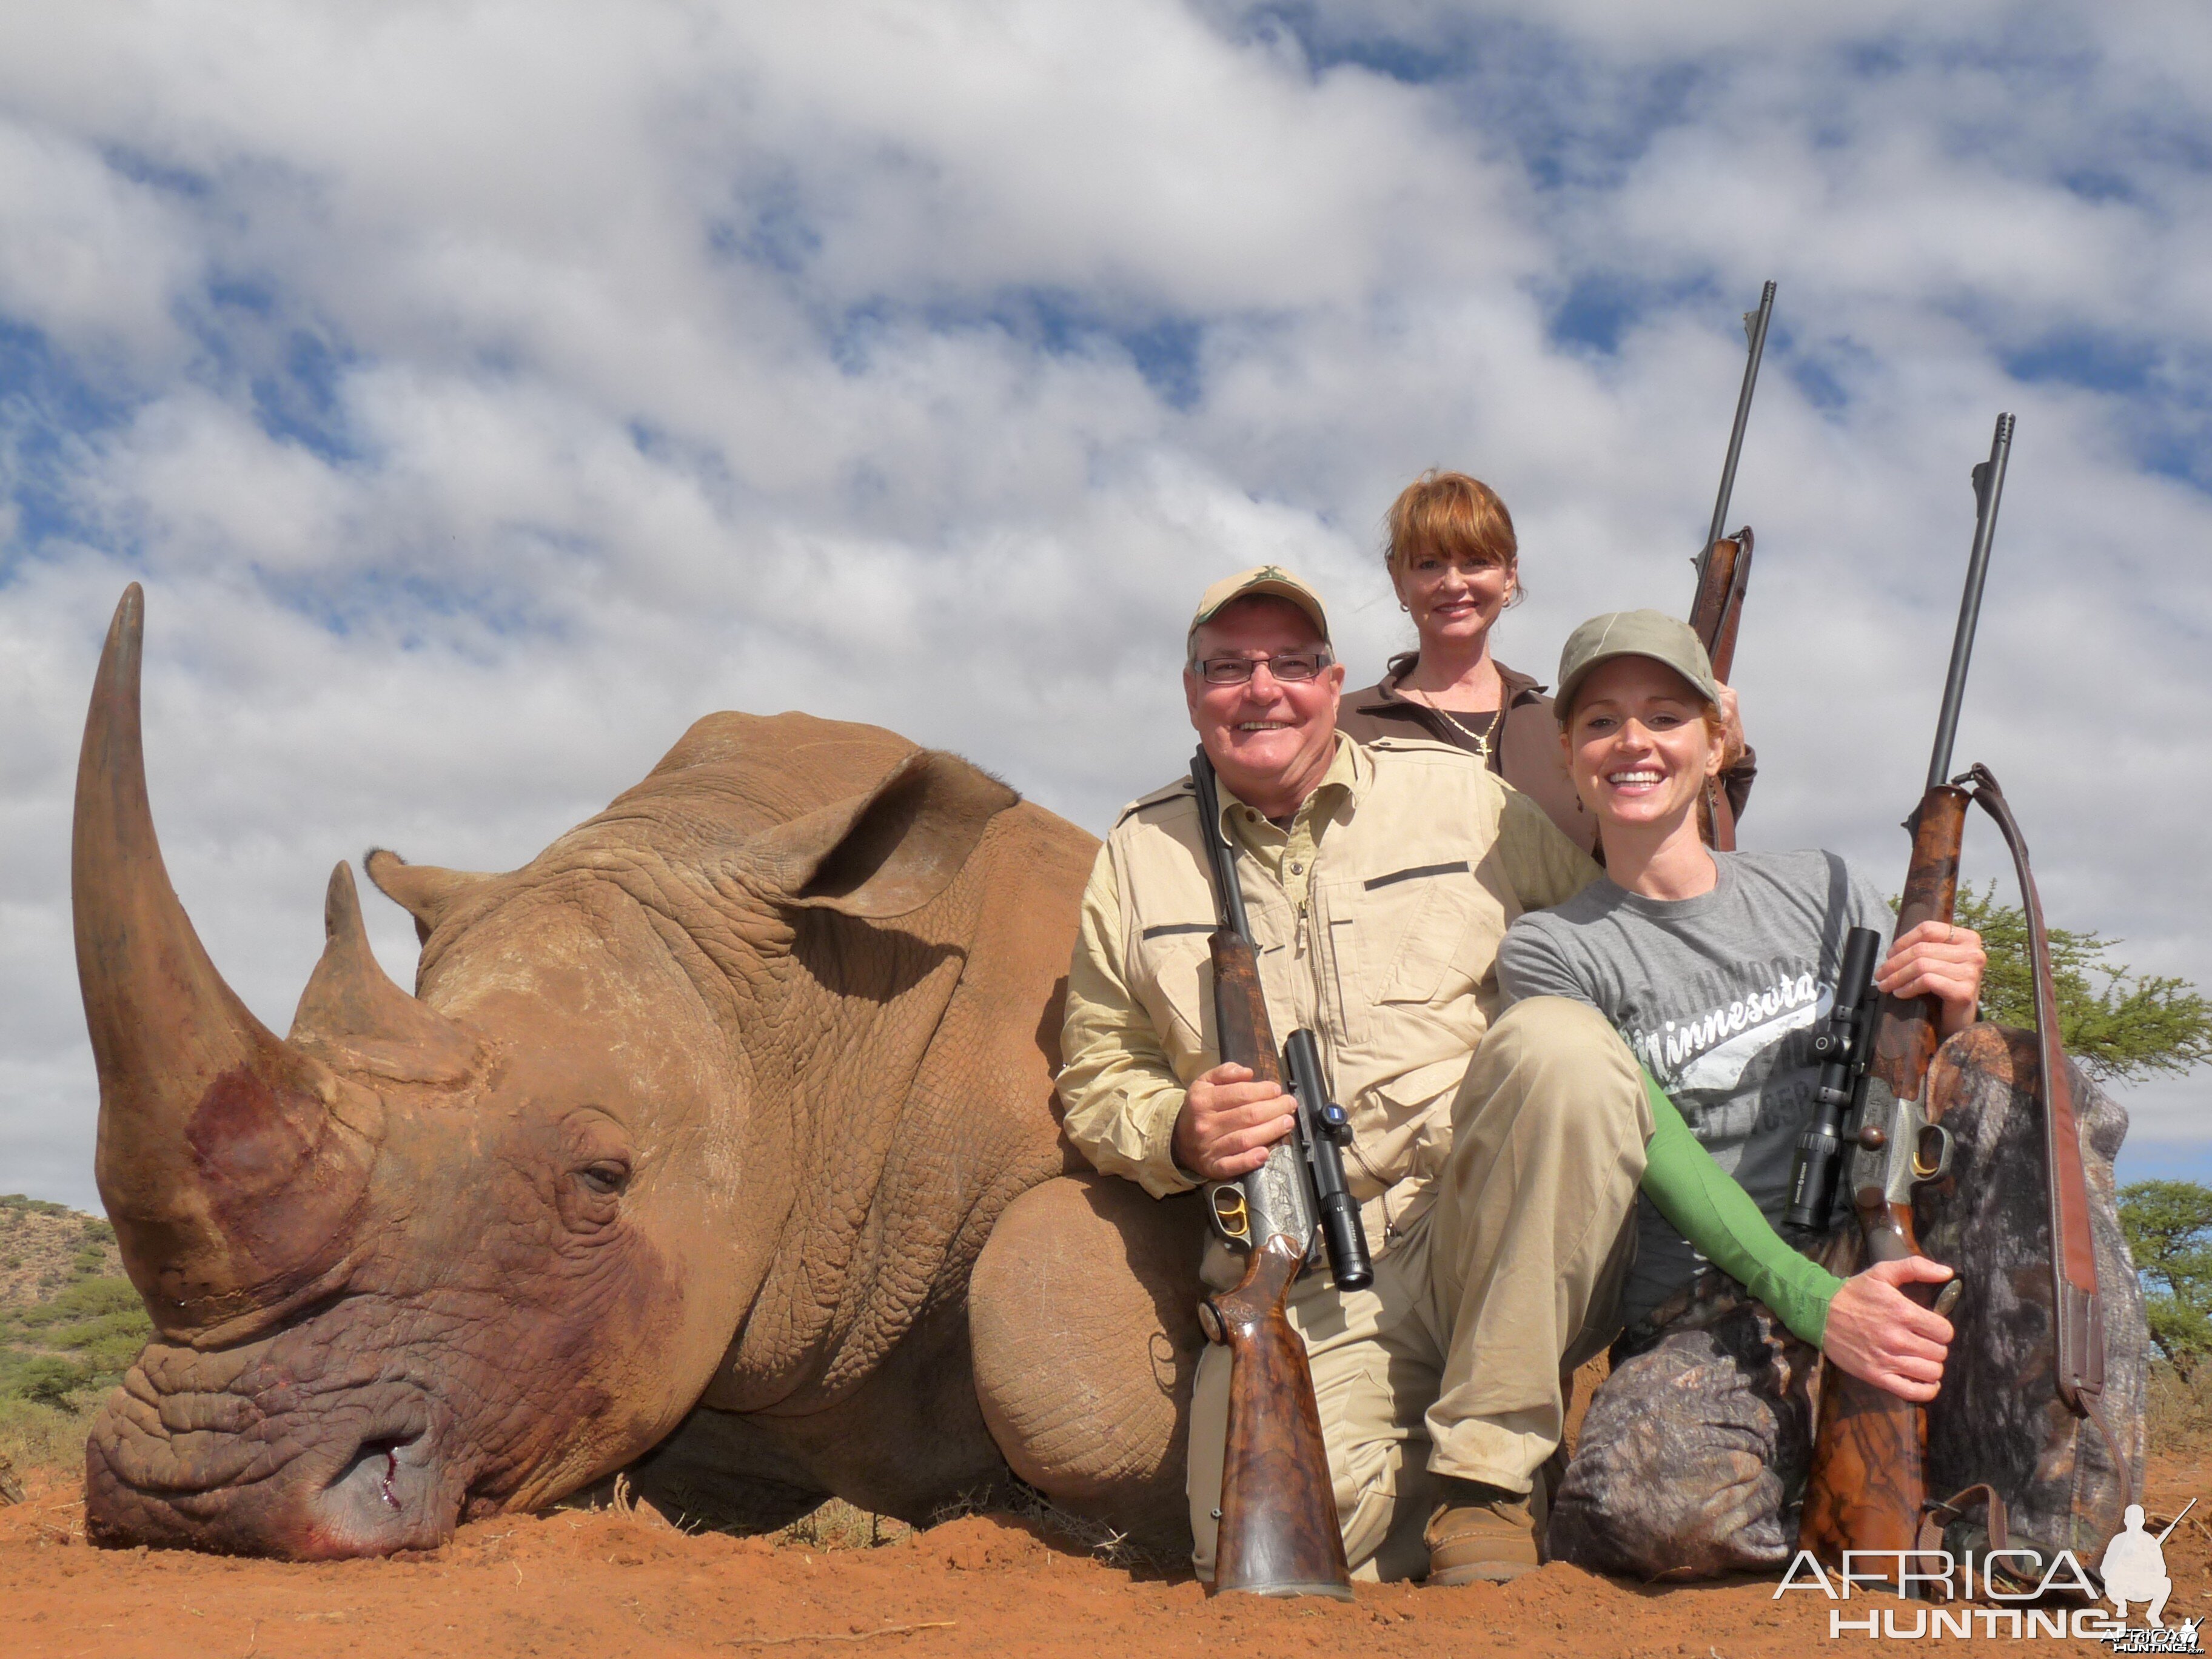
<point>1290,666</point>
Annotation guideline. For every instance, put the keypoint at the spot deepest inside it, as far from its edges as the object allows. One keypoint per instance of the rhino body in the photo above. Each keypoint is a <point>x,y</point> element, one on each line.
<point>687,1148</point>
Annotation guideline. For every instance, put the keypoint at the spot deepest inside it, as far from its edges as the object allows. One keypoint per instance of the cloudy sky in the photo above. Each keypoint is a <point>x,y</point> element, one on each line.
<point>483,392</point>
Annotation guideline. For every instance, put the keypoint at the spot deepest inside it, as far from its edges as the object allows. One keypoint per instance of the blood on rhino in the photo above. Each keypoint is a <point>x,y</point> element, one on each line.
<point>717,1143</point>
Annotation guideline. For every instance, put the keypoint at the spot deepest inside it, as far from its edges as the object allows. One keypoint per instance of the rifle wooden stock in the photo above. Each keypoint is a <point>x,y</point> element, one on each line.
<point>1240,1008</point>
<point>1278,1532</point>
<point>1718,610</point>
<point>1869,1486</point>
<point>1724,578</point>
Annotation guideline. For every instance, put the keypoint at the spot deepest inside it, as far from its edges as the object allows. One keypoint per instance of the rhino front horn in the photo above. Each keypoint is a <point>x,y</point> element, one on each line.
<point>231,1163</point>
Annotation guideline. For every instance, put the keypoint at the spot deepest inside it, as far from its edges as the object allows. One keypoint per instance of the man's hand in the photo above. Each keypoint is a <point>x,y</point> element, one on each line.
<point>1228,1121</point>
<point>1881,1336</point>
<point>1939,960</point>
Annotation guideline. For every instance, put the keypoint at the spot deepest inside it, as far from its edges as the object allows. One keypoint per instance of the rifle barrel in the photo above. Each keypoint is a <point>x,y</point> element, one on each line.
<point>1989,486</point>
<point>1755,324</point>
<point>1219,854</point>
<point>2177,1521</point>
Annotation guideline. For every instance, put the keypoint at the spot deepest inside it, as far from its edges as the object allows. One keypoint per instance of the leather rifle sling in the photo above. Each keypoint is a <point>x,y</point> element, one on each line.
<point>2078,1313</point>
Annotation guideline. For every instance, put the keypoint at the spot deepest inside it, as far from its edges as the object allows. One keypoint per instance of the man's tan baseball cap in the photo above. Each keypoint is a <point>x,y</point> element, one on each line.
<point>1271,579</point>
<point>1650,634</point>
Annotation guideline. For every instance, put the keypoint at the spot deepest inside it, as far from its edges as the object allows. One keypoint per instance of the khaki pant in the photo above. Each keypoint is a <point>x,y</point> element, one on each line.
<point>1449,1363</point>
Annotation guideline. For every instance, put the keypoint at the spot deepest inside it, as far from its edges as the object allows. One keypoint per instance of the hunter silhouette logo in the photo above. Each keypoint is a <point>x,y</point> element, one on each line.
<point>2134,1570</point>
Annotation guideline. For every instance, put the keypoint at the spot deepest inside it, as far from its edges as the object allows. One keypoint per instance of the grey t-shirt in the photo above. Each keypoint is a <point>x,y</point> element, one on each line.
<point>1716,995</point>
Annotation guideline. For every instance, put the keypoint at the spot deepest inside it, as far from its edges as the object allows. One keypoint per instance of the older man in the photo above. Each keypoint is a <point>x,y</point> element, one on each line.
<point>1497,1164</point>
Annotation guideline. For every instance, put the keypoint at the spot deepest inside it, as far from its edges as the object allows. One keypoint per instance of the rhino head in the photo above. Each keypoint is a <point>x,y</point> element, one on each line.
<point>429,1257</point>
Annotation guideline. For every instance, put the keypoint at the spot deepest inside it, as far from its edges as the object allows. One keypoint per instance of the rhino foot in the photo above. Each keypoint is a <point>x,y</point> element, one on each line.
<point>1083,1312</point>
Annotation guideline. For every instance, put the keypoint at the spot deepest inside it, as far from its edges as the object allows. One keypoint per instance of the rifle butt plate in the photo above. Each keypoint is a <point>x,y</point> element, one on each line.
<point>1285,1587</point>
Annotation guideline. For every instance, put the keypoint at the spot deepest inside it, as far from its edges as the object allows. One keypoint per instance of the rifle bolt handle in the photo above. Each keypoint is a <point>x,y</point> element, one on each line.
<point>1947,1298</point>
<point>1872,1138</point>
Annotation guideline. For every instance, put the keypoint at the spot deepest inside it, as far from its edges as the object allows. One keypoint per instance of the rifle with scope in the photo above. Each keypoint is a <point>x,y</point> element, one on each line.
<point>1868,1486</point>
<point>1278,1532</point>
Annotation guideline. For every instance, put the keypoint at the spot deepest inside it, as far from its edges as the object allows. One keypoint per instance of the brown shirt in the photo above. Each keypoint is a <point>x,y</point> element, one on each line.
<point>1524,742</point>
<point>1524,737</point>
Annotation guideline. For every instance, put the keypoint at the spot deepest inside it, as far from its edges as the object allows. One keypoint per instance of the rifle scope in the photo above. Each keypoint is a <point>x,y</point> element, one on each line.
<point>1840,1046</point>
<point>1322,1131</point>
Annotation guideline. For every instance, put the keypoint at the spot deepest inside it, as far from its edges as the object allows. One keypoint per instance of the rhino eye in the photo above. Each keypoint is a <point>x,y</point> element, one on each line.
<point>604,1179</point>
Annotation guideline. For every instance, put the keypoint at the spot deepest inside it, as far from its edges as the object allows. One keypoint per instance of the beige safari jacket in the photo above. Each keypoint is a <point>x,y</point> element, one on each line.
<point>1377,916</point>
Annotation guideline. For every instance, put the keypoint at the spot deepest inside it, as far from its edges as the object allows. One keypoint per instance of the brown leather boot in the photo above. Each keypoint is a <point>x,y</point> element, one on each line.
<point>1480,1534</point>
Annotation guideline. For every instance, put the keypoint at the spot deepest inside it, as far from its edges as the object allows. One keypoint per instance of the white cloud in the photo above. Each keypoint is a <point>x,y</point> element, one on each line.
<point>484,392</point>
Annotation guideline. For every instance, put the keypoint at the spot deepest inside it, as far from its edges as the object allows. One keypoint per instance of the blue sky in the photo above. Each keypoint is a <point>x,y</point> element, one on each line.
<point>485,391</point>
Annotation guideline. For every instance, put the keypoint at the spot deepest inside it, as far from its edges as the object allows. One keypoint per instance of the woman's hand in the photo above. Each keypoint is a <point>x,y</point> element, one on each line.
<point>1227,1123</point>
<point>1881,1336</point>
<point>1939,960</point>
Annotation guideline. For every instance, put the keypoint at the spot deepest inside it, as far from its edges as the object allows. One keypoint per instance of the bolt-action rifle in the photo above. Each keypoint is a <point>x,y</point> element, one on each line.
<point>1278,1532</point>
<point>1869,1488</point>
<point>1724,568</point>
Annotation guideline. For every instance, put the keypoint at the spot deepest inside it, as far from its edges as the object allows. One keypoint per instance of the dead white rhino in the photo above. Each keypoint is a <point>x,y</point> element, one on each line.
<point>692,1139</point>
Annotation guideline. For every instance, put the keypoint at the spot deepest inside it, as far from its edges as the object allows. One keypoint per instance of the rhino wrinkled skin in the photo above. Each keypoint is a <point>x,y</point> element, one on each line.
<point>691,1137</point>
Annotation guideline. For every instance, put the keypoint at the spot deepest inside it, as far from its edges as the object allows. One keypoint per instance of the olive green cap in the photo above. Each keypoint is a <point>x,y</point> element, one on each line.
<point>1270,578</point>
<point>1650,634</point>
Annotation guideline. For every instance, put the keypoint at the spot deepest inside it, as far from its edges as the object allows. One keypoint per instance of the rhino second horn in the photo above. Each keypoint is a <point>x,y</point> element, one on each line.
<point>353,1016</point>
<point>231,1163</point>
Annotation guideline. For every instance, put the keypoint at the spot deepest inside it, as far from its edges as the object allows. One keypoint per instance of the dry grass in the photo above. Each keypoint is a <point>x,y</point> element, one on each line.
<point>1025,1504</point>
<point>45,1246</point>
<point>2180,1411</point>
<point>42,1439</point>
<point>838,1525</point>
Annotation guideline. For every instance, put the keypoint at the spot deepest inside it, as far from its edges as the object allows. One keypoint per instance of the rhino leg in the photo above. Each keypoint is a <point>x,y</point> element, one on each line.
<point>725,1470</point>
<point>1083,1311</point>
<point>908,1441</point>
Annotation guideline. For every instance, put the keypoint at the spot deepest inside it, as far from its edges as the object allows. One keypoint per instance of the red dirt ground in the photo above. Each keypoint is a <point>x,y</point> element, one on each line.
<point>612,1585</point>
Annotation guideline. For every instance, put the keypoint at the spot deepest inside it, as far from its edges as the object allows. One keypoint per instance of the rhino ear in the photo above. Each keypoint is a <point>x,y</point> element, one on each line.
<point>423,891</point>
<point>889,852</point>
<point>353,1016</point>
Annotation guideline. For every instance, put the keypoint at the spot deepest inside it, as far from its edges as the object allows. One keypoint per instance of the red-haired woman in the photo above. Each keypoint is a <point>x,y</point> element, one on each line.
<point>1454,560</point>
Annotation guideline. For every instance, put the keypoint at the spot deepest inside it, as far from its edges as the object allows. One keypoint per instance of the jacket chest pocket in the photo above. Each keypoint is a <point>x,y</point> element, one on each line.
<point>1421,931</point>
<point>1175,981</point>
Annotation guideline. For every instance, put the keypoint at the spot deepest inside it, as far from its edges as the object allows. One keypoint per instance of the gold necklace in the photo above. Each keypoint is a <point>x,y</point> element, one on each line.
<point>1481,738</point>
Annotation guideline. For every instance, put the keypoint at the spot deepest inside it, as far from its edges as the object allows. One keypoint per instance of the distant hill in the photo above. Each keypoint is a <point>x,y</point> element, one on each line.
<point>70,1322</point>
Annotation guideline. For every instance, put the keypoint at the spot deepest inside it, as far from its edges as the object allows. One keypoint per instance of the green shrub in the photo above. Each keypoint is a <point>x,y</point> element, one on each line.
<point>45,1380</point>
<point>88,1298</point>
<point>31,1206</point>
<point>92,1331</point>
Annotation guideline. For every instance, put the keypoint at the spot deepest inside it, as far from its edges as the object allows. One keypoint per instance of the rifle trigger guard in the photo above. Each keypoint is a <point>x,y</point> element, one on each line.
<point>1225,1202</point>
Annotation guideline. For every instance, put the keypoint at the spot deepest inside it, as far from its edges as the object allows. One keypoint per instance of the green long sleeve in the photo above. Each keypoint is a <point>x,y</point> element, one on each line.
<point>1707,1207</point>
